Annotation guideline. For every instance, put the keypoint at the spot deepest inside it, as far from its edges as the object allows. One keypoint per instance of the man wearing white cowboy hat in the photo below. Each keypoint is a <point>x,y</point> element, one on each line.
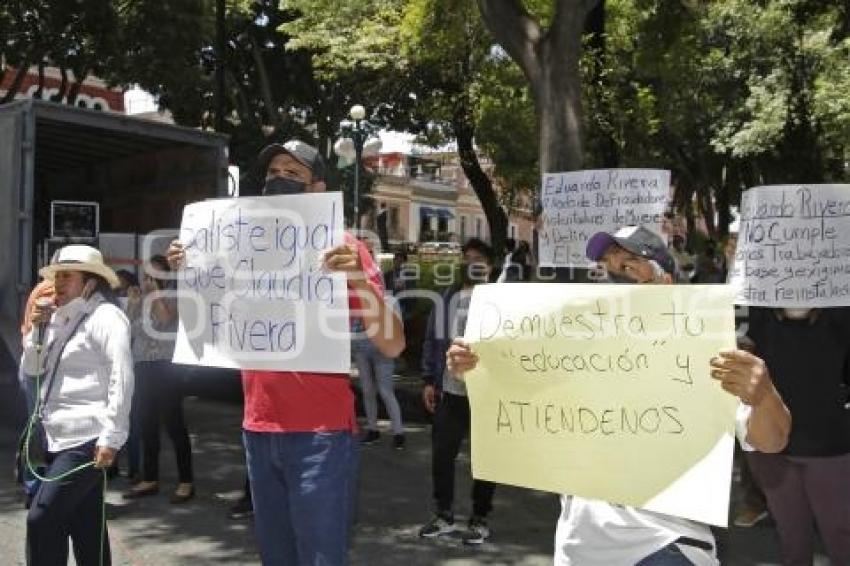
<point>83,403</point>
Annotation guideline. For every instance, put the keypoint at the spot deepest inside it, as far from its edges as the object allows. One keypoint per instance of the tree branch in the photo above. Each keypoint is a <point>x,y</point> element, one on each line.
<point>63,85</point>
<point>569,14</point>
<point>516,31</point>
<point>273,115</point>
<point>464,131</point>
<point>20,73</point>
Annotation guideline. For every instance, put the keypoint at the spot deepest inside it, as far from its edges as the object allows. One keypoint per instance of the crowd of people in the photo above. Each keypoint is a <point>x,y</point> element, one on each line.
<point>98,375</point>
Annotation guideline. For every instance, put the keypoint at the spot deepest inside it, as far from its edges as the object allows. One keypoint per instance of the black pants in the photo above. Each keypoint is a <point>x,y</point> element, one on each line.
<point>161,400</point>
<point>451,425</point>
<point>72,507</point>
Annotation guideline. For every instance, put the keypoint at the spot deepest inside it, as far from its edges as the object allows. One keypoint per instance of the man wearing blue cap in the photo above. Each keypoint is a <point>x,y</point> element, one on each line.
<point>596,533</point>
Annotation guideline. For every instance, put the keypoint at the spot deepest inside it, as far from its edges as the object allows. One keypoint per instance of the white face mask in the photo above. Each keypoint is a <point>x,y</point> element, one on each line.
<point>796,314</point>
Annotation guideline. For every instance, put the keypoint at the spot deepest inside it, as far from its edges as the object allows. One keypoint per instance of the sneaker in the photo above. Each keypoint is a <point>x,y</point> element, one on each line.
<point>749,517</point>
<point>440,524</point>
<point>477,531</point>
<point>398,441</point>
<point>242,509</point>
<point>370,437</point>
<point>142,489</point>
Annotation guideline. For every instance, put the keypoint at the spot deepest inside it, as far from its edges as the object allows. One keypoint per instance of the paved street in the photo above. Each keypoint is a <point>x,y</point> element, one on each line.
<point>394,501</point>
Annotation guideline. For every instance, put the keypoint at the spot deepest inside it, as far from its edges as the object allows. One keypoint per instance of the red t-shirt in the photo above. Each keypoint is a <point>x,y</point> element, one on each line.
<point>289,401</point>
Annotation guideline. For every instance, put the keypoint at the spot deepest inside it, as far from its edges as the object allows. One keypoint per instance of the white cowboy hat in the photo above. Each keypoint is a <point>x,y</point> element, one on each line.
<point>78,257</point>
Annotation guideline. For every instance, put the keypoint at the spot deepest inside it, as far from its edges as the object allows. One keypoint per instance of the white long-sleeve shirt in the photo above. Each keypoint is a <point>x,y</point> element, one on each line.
<point>93,387</point>
<point>596,533</point>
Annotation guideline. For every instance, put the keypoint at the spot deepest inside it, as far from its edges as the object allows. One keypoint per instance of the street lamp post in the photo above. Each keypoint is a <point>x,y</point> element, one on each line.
<point>354,144</point>
<point>358,136</point>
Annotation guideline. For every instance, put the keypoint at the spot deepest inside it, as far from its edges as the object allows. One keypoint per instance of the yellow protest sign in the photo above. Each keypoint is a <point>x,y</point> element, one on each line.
<point>603,391</point>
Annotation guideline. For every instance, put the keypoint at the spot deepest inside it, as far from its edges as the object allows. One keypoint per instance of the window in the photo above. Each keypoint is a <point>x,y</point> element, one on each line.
<point>478,227</point>
<point>463,228</point>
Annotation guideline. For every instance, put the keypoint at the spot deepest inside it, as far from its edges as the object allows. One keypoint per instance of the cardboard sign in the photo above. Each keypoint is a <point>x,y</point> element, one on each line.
<point>578,204</point>
<point>603,391</point>
<point>793,247</point>
<point>253,293</point>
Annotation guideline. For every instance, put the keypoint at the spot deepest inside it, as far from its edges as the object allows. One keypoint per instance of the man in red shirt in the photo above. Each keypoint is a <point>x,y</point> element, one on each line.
<point>299,427</point>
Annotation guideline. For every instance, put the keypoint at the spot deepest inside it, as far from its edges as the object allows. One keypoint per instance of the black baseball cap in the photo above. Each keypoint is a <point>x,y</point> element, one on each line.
<point>635,239</point>
<point>305,154</point>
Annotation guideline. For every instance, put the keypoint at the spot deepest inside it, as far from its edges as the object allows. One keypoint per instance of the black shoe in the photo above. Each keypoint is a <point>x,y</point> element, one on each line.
<point>370,437</point>
<point>398,441</point>
<point>242,509</point>
<point>440,524</point>
<point>477,532</point>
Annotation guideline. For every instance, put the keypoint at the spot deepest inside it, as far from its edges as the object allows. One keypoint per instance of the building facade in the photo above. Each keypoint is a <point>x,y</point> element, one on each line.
<point>94,93</point>
<point>428,198</point>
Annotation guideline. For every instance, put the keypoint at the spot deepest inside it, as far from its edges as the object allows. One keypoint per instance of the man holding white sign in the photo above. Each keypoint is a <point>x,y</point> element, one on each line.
<point>593,532</point>
<point>299,425</point>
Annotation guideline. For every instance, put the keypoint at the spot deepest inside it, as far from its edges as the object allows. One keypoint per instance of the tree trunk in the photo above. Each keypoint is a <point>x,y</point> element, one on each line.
<point>274,117</point>
<point>464,132</point>
<point>63,86</point>
<point>38,91</point>
<point>550,61</point>
<point>558,102</point>
<point>707,209</point>
<point>74,91</point>
<point>20,73</point>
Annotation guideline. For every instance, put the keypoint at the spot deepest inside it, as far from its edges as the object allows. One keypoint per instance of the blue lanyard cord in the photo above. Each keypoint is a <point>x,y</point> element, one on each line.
<point>30,425</point>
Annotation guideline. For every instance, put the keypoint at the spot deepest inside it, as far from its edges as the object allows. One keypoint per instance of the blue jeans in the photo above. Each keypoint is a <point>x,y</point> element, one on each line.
<point>376,377</point>
<point>670,555</point>
<point>303,486</point>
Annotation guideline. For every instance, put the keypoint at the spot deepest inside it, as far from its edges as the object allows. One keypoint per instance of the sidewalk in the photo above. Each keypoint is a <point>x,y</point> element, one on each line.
<point>394,501</point>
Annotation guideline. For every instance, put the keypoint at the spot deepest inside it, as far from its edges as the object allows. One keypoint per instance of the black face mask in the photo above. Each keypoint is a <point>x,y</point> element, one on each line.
<point>283,186</point>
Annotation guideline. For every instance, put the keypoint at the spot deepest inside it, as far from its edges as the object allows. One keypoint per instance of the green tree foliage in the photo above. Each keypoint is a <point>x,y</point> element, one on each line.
<point>727,93</point>
<point>74,35</point>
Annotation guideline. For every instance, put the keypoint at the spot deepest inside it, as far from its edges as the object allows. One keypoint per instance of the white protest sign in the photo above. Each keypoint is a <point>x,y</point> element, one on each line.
<point>578,204</point>
<point>793,247</point>
<point>253,293</point>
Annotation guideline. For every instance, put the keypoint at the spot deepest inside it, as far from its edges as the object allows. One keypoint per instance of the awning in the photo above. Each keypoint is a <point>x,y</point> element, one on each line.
<point>444,213</point>
<point>426,211</point>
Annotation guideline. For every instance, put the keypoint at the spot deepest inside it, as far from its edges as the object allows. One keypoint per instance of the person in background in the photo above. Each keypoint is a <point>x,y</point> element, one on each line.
<point>752,509</point>
<point>709,268</point>
<point>299,427</point>
<point>807,485</point>
<point>729,249</point>
<point>684,261</point>
<point>132,450</point>
<point>85,389</point>
<point>126,280</point>
<point>154,322</point>
<point>376,373</point>
<point>445,397</point>
<point>382,224</point>
<point>400,280</point>
<point>592,532</point>
<point>507,262</point>
<point>522,264</point>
